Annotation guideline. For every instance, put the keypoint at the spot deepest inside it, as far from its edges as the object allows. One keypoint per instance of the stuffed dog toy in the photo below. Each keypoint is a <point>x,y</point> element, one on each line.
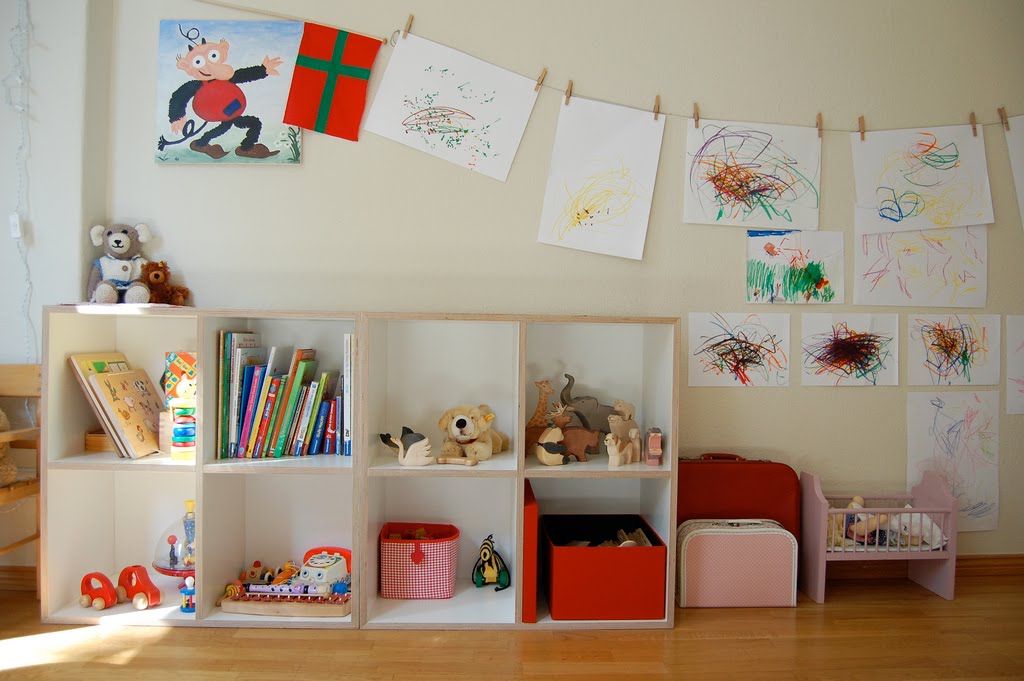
<point>468,433</point>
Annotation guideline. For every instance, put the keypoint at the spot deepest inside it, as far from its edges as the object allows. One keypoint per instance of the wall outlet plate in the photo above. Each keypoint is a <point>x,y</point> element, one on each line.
<point>15,221</point>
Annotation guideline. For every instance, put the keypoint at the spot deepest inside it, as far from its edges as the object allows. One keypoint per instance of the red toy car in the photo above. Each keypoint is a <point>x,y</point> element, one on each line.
<point>97,591</point>
<point>134,584</point>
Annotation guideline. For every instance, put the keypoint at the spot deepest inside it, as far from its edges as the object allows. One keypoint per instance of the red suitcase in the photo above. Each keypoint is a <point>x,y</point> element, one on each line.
<point>728,486</point>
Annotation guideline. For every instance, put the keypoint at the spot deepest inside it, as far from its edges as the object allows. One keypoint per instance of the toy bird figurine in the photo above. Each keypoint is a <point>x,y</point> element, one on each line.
<point>413,448</point>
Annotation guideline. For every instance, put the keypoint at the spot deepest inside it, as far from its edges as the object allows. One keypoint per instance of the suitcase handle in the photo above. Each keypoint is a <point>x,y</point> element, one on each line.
<point>721,456</point>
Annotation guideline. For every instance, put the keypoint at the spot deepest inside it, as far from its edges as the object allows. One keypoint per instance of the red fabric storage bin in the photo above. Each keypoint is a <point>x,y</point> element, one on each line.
<point>603,582</point>
<point>418,568</point>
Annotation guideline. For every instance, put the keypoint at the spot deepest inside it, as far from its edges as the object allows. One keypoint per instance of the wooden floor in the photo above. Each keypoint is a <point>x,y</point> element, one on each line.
<point>889,629</point>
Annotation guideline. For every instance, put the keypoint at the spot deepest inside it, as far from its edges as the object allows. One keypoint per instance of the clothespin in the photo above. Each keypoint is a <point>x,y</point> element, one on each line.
<point>657,106</point>
<point>817,124</point>
<point>1002,117</point>
<point>568,93</point>
<point>974,124</point>
<point>540,79</point>
<point>408,25</point>
<point>696,115</point>
<point>860,124</point>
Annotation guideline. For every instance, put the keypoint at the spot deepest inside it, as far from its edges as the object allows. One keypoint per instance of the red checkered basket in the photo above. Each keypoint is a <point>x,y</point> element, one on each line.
<point>418,568</point>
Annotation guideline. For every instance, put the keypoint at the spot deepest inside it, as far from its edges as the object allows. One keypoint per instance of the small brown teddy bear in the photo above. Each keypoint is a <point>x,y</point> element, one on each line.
<point>468,433</point>
<point>157,276</point>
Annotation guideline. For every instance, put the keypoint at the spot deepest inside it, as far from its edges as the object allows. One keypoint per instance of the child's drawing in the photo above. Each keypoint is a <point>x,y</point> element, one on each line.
<point>794,267</point>
<point>601,180</point>
<point>453,106</point>
<point>930,268</point>
<point>738,349</point>
<point>920,179</point>
<point>956,434</point>
<point>753,175</point>
<point>1014,364</point>
<point>953,349</point>
<point>221,92</point>
<point>851,349</point>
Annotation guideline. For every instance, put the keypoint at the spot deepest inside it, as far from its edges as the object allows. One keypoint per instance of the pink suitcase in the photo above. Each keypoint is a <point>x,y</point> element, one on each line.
<point>736,564</point>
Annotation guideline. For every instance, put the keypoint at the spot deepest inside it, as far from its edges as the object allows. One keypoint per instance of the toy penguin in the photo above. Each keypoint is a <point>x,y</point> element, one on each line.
<point>490,567</point>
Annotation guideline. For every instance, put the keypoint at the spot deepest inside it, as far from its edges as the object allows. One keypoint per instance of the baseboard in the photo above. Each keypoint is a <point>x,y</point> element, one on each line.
<point>994,565</point>
<point>17,578</point>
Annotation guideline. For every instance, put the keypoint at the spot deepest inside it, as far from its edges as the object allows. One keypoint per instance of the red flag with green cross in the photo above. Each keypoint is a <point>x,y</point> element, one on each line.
<point>328,91</point>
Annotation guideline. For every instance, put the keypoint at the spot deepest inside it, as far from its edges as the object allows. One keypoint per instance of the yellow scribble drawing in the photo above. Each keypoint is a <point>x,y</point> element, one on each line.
<point>601,199</point>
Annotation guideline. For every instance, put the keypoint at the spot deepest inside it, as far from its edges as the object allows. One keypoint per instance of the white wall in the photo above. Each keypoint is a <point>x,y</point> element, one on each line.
<point>375,225</point>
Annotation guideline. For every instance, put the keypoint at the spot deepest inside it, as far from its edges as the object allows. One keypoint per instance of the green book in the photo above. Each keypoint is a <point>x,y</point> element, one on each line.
<point>303,375</point>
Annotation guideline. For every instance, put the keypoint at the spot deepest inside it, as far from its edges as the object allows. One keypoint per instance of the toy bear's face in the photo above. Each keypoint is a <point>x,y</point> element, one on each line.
<point>464,423</point>
<point>155,274</point>
<point>120,241</point>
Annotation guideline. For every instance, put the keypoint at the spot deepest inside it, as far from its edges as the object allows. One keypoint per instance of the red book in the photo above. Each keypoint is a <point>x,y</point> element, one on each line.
<point>257,382</point>
<point>268,409</point>
<point>332,431</point>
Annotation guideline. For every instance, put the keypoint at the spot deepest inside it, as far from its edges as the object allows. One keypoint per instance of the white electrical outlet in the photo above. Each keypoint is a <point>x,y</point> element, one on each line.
<point>15,221</point>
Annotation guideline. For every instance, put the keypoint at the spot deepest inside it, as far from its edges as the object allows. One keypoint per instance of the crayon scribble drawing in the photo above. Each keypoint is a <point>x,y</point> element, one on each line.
<point>956,434</point>
<point>794,267</point>
<point>1015,145</point>
<point>920,179</point>
<point>738,349</point>
<point>853,349</point>
<point>601,201</point>
<point>932,268</point>
<point>953,349</point>
<point>601,179</point>
<point>752,175</point>
<point>453,106</point>
<point>1014,364</point>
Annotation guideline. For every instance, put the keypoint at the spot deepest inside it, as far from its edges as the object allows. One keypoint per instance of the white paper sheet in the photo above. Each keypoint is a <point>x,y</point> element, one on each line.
<point>601,180</point>
<point>949,349</point>
<point>752,175</point>
<point>794,267</point>
<point>921,178</point>
<point>850,349</point>
<point>1014,364</point>
<point>956,434</point>
<point>453,106</point>
<point>1015,145</point>
<point>931,268</point>
<point>738,349</point>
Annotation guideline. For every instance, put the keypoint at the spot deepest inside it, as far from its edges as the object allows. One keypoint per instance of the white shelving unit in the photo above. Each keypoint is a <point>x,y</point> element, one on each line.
<point>101,513</point>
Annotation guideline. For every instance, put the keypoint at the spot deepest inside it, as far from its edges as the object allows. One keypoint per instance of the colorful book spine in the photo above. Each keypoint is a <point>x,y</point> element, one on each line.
<point>289,436</point>
<point>244,390</point>
<point>331,432</point>
<point>257,415</point>
<point>303,370</point>
<point>245,354</point>
<point>305,418</point>
<point>224,376</point>
<point>268,409</point>
<point>285,398</point>
<point>339,406</point>
<point>275,418</point>
<point>254,394</point>
<point>320,427</point>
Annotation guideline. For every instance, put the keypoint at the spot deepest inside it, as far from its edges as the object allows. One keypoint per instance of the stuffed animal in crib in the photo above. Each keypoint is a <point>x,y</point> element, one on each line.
<point>865,528</point>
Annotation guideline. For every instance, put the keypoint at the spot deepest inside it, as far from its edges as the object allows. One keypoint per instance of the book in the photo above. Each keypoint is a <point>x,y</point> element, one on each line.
<point>339,408</point>
<point>180,378</point>
<point>306,417</point>
<point>319,427</point>
<point>326,386</point>
<point>303,375</point>
<point>229,342</point>
<point>85,365</point>
<point>255,388</point>
<point>285,396</point>
<point>273,387</point>
<point>348,347</point>
<point>265,447</point>
<point>332,427</point>
<point>277,366</point>
<point>243,357</point>
<point>133,405</point>
<point>290,435</point>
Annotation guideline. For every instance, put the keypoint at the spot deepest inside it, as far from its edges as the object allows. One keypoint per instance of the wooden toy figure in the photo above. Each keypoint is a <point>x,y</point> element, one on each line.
<point>490,567</point>
<point>413,449</point>
<point>98,591</point>
<point>188,595</point>
<point>134,584</point>
<point>652,454</point>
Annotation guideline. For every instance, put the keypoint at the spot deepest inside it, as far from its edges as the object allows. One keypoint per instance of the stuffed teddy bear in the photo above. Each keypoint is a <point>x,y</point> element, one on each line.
<point>468,433</point>
<point>157,276</point>
<point>115,274</point>
<point>8,471</point>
